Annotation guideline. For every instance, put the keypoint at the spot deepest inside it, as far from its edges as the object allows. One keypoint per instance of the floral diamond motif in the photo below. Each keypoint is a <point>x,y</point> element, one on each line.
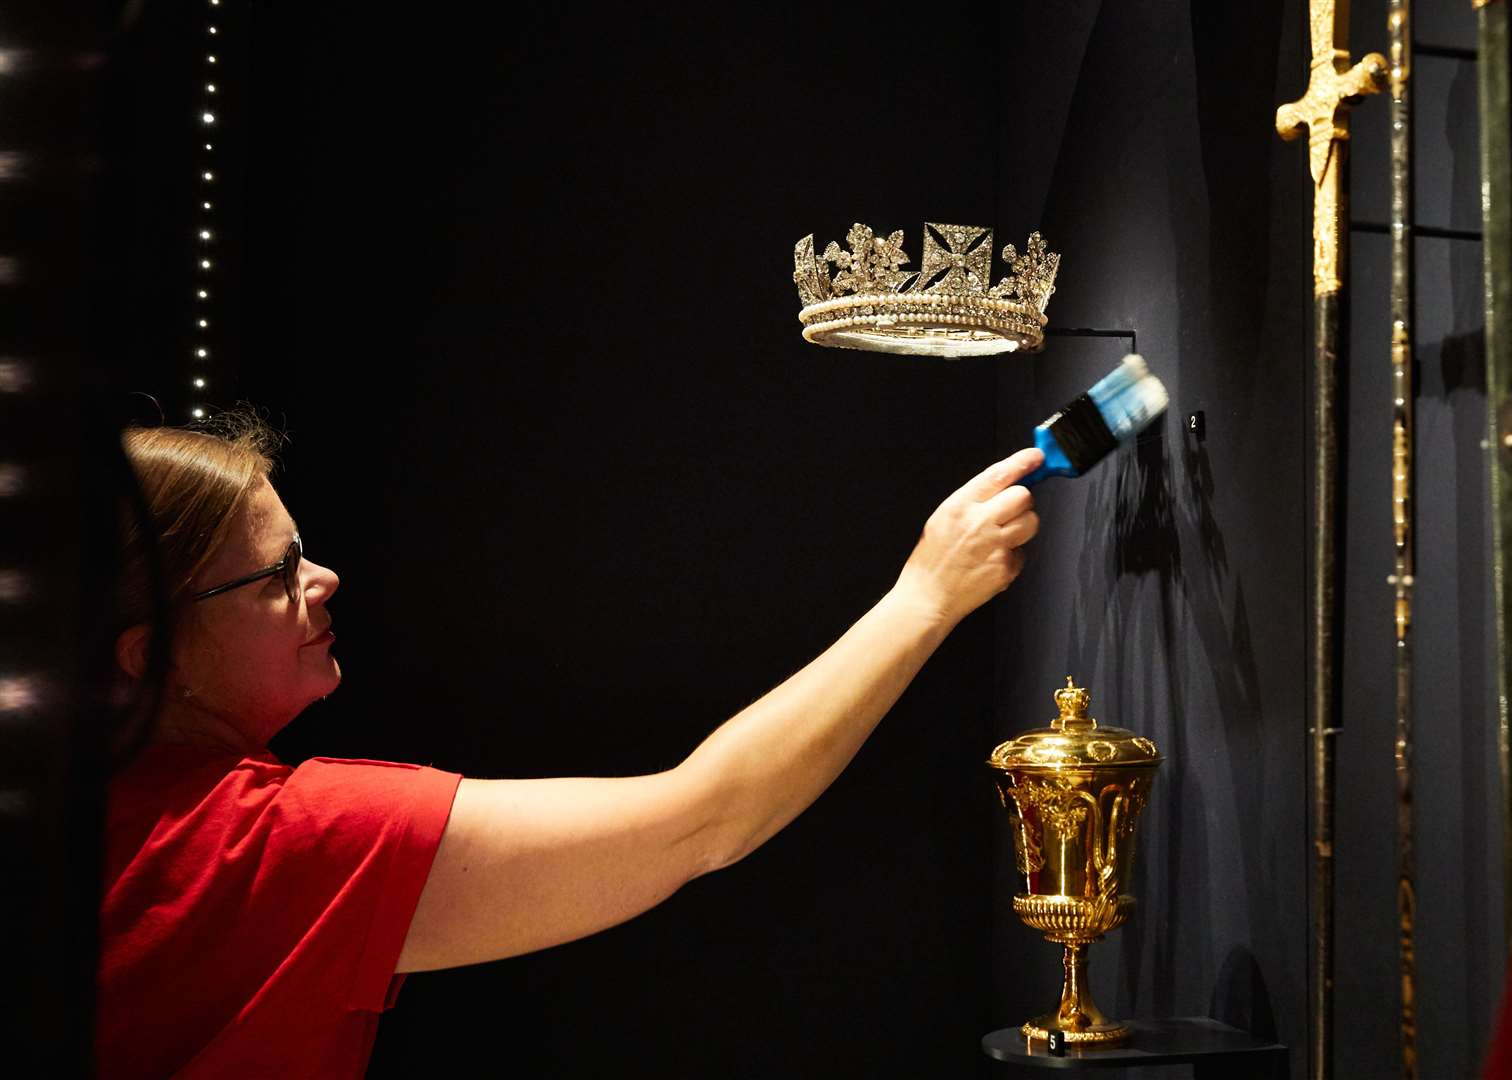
<point>1031,276</point>
<point>872,263</point>
<point>956,269</point>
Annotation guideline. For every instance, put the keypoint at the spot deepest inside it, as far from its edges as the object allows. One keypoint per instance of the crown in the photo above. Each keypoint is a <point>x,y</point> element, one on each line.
<point>945,308</point>
<point>1072,701</point>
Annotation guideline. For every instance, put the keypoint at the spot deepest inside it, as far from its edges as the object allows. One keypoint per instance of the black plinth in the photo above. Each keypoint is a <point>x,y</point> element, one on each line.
<point>1213,1049</point>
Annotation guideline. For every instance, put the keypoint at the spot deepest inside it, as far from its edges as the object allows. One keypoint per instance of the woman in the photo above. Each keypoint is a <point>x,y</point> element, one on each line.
<point>259,918</point>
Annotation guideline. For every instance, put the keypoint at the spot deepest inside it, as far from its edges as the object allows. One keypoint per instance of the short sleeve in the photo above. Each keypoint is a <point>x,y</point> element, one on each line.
<point>254,913</point>
<point>350,844</point>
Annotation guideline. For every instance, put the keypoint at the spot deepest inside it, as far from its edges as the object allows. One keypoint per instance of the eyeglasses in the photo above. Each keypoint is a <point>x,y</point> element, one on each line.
<point>288,566</point>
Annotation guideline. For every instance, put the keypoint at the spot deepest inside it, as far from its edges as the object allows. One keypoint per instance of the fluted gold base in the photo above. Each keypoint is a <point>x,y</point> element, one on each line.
<point>1109,1034</point>
<point>1078,1016</point>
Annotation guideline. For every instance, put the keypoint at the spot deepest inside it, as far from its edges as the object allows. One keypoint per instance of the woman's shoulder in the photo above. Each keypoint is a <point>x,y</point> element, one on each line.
<point>169,791</point>
<point>168,773</point>
<point>175,804</point>
<point>175,780</point>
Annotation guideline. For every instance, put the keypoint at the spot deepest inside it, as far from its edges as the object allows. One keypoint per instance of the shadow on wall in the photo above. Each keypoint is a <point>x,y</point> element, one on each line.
<point>1462,365</point>
<point>1462,359</point>
<point>1240,997</point>
<point>1142,538</point>
<point>1158,618</point>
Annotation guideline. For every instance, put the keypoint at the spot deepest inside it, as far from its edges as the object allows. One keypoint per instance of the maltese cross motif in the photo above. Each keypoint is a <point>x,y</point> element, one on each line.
<point>964,255</point>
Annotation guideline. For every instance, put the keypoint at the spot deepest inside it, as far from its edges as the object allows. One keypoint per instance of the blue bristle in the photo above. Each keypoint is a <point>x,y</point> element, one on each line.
<point>1127,398</point>
<point>1115,382</point>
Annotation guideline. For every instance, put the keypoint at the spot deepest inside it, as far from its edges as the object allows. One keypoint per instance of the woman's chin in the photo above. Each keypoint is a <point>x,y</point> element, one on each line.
<point>324,678</point>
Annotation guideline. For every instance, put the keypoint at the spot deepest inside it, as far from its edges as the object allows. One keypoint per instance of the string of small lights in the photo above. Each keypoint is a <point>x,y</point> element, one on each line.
<point>205,230</point>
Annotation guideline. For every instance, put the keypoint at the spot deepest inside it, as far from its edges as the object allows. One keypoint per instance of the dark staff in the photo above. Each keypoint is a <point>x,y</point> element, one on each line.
<point>1399,25</point>
<point>1324,112</point>
<point>1496,256</point>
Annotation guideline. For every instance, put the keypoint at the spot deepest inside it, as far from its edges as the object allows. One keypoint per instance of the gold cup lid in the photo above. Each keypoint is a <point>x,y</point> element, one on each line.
<point>1074,739</point>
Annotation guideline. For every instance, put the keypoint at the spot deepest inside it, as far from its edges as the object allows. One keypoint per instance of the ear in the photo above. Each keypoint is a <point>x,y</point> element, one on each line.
<point>131,649</point>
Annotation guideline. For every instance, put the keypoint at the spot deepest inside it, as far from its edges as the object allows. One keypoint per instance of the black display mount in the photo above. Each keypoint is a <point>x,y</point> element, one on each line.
<point>1213,1049</point>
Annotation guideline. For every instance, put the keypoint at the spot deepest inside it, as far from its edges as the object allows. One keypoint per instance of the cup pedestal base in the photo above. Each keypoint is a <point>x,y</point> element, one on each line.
<point>1078,1018</point>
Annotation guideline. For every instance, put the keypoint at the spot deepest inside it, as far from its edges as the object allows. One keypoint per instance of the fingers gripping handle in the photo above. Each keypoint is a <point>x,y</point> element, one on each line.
<point>1056,462</point>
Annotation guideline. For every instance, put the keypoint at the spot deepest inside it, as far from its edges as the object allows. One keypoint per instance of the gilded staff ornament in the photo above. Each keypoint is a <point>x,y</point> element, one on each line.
<point>1399,27</point>
<point>1493,79</point>
<point>1333,86</point>
<point>1324,112</point>
<point>947,307</point>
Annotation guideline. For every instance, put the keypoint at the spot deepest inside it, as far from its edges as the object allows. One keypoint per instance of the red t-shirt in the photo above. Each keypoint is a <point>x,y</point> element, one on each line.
<point>253,913</point>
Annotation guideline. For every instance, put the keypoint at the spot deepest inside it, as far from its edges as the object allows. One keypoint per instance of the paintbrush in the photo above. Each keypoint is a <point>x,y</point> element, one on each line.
<point>1089,428</point>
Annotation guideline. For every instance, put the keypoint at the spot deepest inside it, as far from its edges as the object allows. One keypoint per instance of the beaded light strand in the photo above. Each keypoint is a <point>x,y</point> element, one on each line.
<point>205,230</point>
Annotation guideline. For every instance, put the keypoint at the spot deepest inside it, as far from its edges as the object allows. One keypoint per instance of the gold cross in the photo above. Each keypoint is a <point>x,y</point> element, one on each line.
<point>1324,111</point>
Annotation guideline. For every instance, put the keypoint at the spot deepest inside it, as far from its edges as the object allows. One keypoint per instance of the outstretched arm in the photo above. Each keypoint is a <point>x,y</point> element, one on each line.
<point>525,864</point>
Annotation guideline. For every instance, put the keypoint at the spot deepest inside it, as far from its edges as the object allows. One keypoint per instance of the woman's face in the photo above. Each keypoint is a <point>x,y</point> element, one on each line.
<point>250,656</point>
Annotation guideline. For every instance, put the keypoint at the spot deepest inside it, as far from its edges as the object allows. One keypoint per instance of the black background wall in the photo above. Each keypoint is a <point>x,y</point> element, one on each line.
<point>520,294</point>
<point>535,285</point>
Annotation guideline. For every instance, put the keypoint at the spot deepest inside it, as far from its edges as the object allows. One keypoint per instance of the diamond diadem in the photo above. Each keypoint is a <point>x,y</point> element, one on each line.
<point>947,307</point>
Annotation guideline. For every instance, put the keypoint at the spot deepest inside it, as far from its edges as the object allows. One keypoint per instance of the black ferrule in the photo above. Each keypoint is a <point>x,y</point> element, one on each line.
<point>1082,433</point>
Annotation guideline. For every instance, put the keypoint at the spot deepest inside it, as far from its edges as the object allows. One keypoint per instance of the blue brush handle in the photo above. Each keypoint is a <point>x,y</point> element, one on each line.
<point>1056,462</point>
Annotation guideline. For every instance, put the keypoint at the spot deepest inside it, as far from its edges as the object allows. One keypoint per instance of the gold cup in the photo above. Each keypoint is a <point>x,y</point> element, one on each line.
<point>1074,792</point>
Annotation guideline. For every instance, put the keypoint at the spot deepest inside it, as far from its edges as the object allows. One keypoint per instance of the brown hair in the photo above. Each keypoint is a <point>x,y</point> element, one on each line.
<point>193,482</point>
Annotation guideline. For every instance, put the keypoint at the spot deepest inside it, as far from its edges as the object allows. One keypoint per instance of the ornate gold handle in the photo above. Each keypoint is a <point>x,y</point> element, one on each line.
<point>1103,850</point>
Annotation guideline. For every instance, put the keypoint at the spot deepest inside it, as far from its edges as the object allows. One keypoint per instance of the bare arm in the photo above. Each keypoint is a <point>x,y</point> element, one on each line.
<point>525,864</point>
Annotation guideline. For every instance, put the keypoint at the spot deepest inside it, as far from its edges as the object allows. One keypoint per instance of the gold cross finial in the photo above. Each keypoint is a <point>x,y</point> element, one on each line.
<point>1332,87</point>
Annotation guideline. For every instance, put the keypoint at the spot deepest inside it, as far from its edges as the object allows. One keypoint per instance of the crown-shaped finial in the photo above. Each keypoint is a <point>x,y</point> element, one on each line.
<point>948,307</point>
<point>1073,702</point>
